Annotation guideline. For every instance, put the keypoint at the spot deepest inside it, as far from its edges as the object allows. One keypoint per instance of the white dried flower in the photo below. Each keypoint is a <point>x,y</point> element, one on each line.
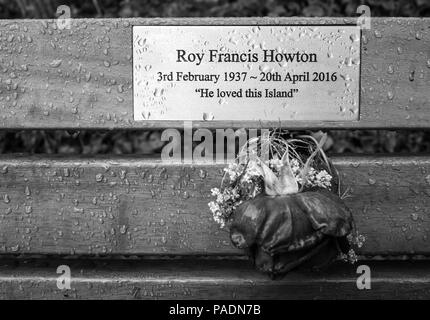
<point>233,170</point>
<point>320,179</point>
<point>252,170</point>
<point>352,256</point>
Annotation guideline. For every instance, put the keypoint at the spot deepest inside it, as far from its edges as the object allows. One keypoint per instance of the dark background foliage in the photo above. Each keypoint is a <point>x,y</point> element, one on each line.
<point>147,142</point>
<point>211,8</point>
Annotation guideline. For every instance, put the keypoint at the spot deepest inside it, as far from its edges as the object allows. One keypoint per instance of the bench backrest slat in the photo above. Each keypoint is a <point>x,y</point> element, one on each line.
<point>134,206</point>
<point>82,77</point>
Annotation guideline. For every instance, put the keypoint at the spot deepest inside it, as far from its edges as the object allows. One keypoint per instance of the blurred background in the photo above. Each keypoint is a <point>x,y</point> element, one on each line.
<point>148,142</point>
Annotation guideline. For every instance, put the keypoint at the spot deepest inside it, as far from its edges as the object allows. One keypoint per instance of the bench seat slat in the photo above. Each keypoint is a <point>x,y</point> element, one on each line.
<point>132,205</point>
<point>182,279</point>
<point>82,77</point>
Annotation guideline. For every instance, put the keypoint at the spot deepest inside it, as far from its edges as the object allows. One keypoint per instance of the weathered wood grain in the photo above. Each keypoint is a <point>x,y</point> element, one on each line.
<point>82,77</point>
<point>132,205</point>
<point>182,279</point>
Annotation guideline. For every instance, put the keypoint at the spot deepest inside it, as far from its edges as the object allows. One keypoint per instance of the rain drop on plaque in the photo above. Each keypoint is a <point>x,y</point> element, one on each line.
<point>354,37</point>
<point>208,116</point>
<point>146,115</point>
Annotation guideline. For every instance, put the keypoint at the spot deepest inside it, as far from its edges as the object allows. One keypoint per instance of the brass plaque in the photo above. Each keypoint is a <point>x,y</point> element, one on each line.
<point>246,73</point>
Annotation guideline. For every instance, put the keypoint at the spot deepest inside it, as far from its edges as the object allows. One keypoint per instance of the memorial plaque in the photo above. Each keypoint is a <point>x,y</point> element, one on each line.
<point>246,73</point>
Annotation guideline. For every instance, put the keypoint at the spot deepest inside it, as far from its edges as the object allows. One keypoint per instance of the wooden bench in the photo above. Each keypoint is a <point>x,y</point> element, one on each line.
<point>135,227</point>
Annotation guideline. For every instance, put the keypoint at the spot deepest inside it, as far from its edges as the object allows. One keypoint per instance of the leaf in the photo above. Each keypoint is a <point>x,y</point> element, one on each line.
<point>274,186</point>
